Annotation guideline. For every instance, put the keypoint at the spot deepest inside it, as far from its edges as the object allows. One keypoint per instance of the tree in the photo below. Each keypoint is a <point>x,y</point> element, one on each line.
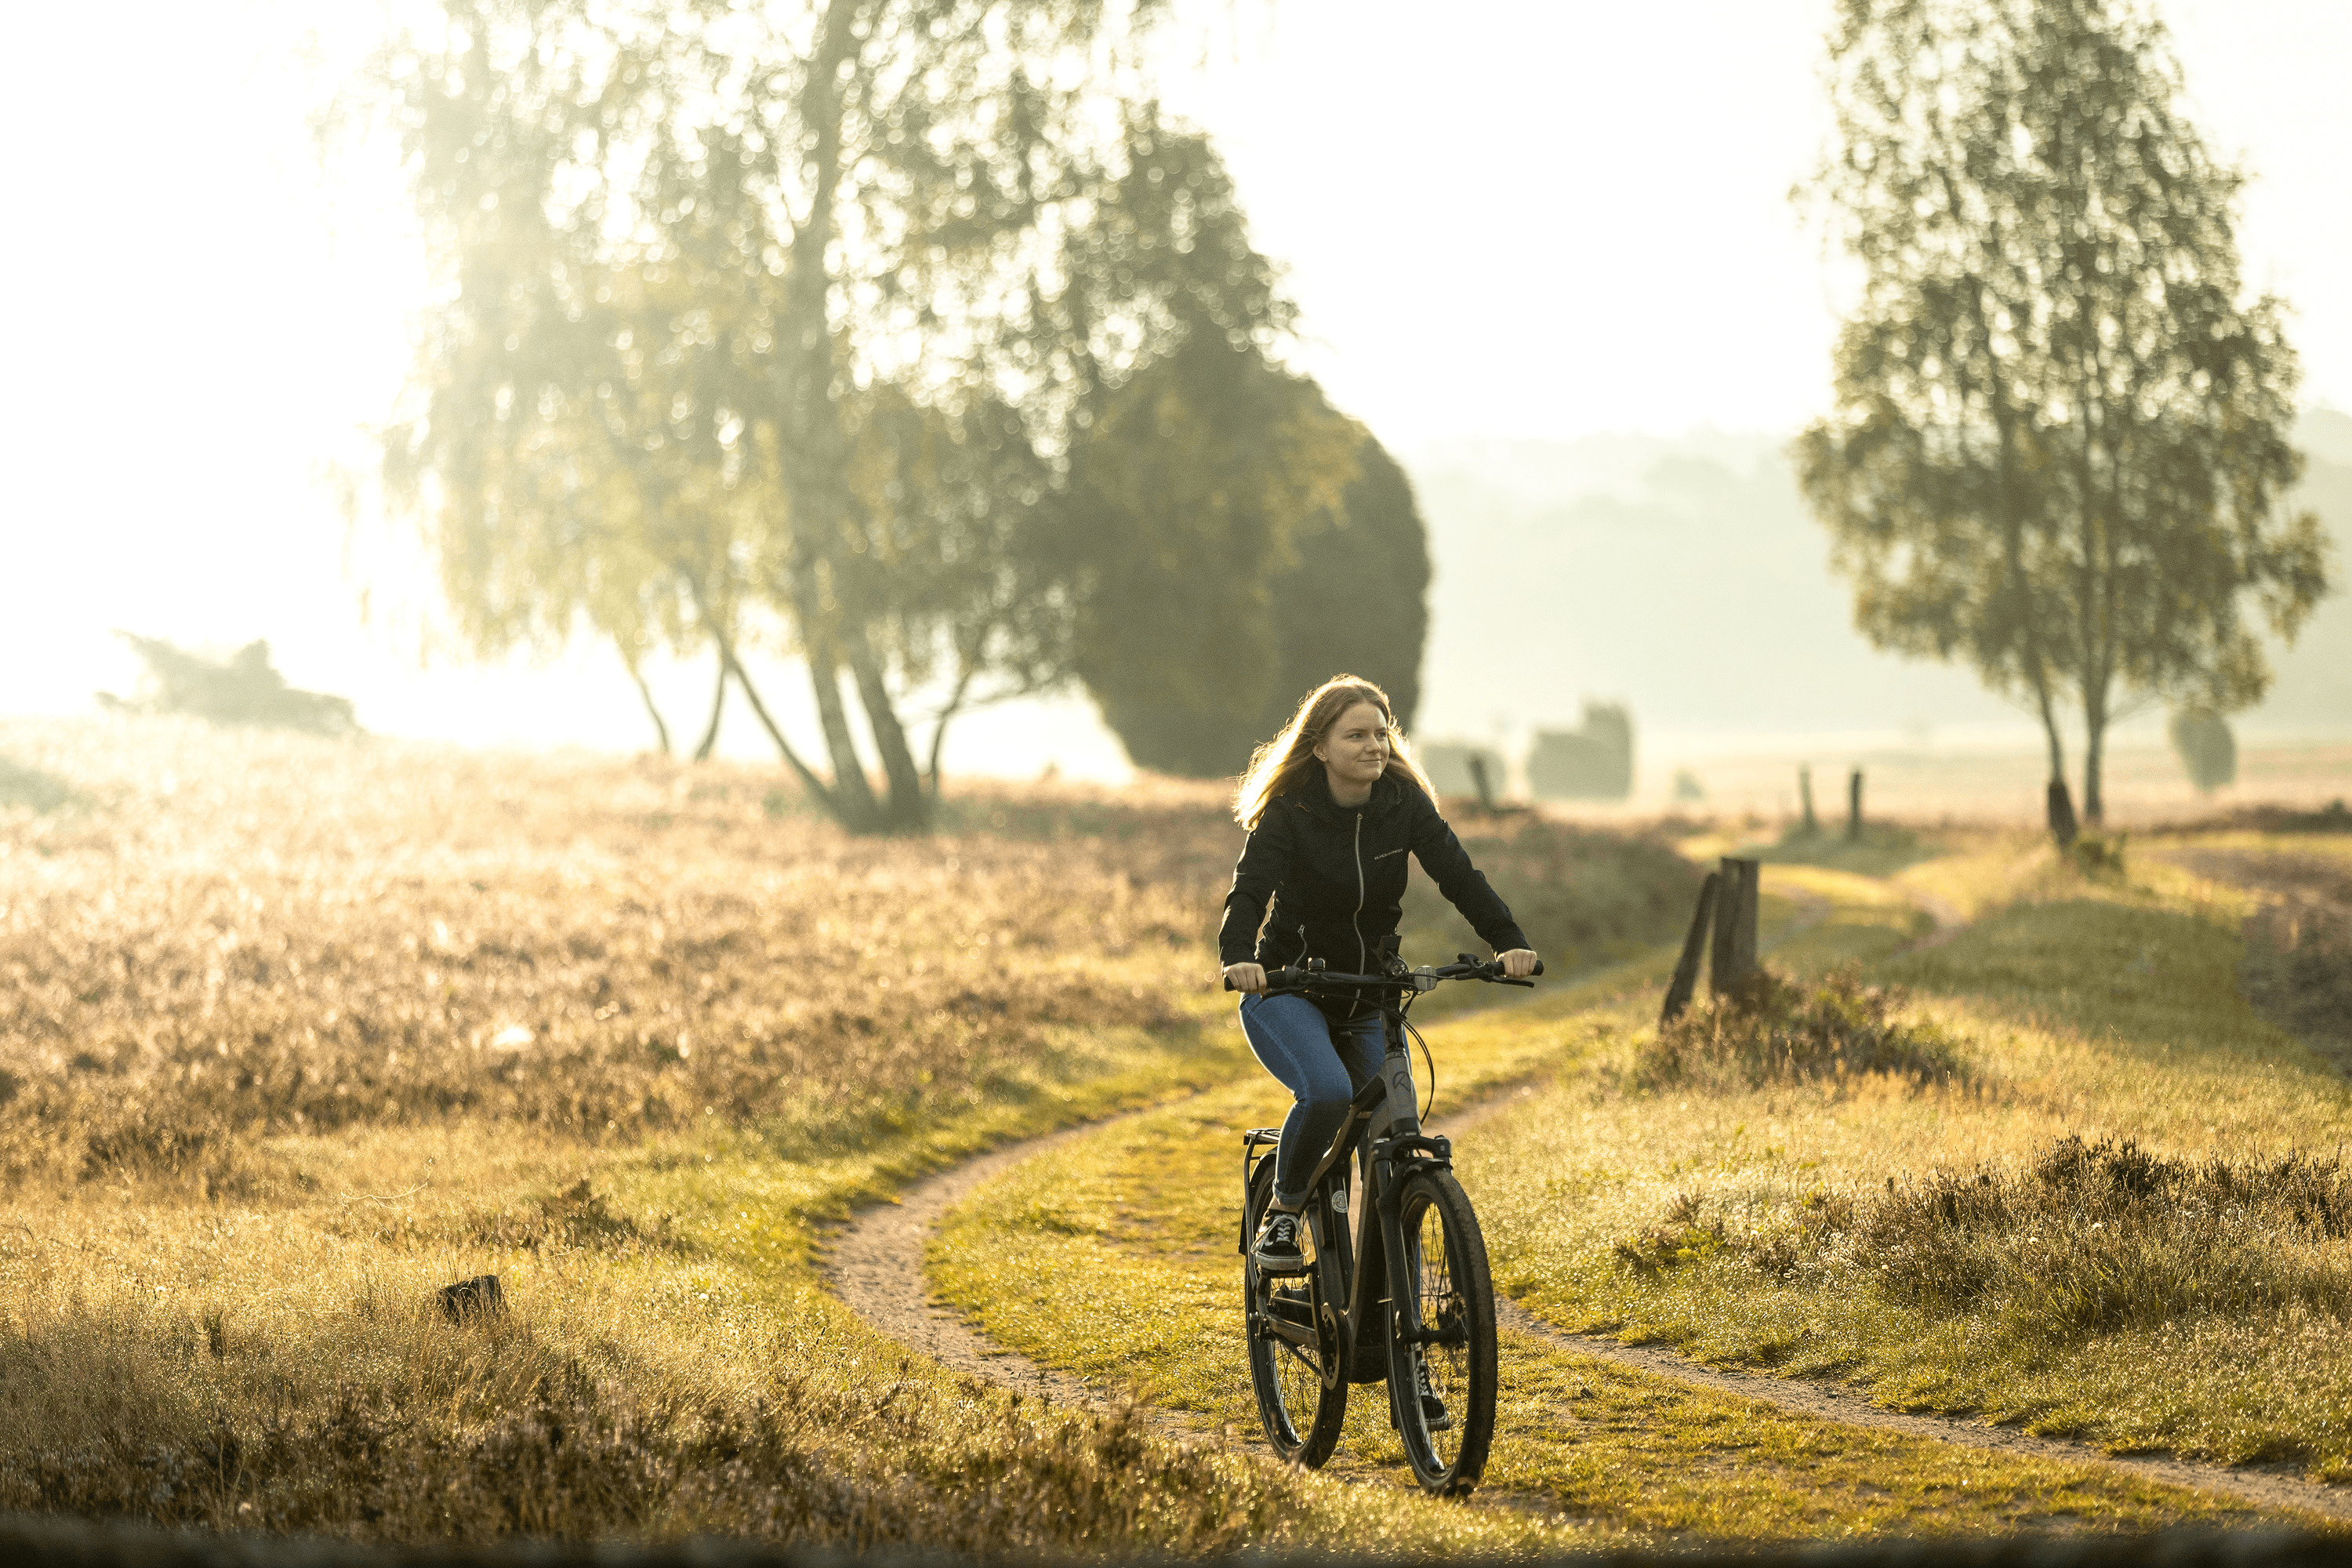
<point>2208,752</point>
<point>2060,433</point>
<point>1237,541</point>
<point>786,327</point>
<point>1300,557</point>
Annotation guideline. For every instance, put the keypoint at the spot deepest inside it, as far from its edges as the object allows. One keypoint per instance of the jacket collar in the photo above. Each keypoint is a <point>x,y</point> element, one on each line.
<point>1315,796</point>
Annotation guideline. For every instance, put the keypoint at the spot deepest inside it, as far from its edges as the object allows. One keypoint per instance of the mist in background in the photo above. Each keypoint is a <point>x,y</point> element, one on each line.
<point>1543,253</point>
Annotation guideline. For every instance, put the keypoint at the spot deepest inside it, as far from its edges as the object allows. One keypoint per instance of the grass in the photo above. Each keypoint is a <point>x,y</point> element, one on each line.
<point>295,1032</point>
<point>1113,1257</point>
<point>1951,1245</point>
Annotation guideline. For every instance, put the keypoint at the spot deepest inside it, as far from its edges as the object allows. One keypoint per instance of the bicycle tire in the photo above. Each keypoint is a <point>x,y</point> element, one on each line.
<point>1300,1406</point>
<point>1446,1268</point>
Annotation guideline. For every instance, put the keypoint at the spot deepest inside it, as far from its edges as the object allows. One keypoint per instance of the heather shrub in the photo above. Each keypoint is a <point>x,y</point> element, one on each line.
<point>1775,1028</point>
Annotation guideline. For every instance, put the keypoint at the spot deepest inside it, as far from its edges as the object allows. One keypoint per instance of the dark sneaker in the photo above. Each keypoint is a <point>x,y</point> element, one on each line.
<point>1276,1248</point>
<point>1432,1409</point>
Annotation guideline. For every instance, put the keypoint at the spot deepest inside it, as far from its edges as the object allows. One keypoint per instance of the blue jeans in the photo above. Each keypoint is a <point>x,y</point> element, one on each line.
<point>1322,1064</point>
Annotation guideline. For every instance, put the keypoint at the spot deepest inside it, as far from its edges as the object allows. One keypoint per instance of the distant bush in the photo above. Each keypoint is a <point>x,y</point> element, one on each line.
<point>1774,1028</point>
<point>239,690</point>
<point>2201,737</point>
<point>2098,856</point>
<point>30,789</point>
<point>1594,761</point>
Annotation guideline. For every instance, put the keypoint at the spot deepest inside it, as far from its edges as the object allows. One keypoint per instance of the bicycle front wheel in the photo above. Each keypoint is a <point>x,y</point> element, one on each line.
<point>1301,1398</point>
<point>1442,1388</point>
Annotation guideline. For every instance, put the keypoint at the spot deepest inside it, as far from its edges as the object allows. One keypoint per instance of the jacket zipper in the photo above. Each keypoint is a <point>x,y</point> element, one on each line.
<point>1356,920</point>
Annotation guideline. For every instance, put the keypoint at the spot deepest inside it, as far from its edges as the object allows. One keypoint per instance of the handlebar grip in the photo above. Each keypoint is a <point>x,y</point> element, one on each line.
<point>1538,966</point>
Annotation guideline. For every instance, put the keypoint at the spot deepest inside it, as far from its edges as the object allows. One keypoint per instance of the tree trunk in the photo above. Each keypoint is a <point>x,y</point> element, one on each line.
<point>2094,722</point>
<point>645,694</point>
<point>940,727</point>
<point>907,810</point>
<point>809,781</point>
<point>815,479</point>
<point>858,808</point>
<point>718,703</point>
<point>2060,808</point>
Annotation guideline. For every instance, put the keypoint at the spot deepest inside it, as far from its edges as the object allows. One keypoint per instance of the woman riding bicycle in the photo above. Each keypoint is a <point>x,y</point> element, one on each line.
<point>1331,804</point>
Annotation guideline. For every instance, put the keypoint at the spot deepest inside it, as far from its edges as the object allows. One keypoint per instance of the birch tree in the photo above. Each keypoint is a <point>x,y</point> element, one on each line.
<point>2060,437</point>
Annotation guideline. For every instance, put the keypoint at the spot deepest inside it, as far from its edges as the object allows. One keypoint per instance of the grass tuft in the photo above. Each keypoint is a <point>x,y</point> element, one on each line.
<point>1777,1029</point>
<point>2096,1237</point>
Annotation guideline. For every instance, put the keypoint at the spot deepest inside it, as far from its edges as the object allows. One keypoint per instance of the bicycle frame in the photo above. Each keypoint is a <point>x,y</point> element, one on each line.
<point>1354,1277</point>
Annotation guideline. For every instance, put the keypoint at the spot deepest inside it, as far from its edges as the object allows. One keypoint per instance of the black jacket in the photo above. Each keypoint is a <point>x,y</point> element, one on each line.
<point>1326,881</point>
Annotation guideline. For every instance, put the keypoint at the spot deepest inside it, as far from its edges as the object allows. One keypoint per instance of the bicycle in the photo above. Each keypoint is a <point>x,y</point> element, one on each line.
<point>1313,1335</point>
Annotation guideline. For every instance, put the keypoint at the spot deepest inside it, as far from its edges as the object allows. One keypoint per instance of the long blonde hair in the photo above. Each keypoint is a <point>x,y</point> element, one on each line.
<point>1277,767</point>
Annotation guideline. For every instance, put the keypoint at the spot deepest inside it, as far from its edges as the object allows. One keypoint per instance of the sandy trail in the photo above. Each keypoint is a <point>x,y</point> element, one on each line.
<point>876,1265</point>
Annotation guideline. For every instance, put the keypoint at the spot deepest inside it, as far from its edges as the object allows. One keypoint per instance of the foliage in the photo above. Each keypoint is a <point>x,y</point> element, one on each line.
<point>791,330</point>
<point>2062,434</point>
<point>1230,513</point>
<point>1773,1029</point>
<point>2201,739</point>
<point>242,688</point>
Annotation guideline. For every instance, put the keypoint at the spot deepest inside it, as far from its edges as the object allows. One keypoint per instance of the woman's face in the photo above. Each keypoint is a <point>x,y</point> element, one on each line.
<point>1355,749</point>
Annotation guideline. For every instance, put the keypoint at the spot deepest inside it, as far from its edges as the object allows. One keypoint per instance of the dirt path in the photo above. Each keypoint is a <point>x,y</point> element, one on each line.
<point>876,1265</point>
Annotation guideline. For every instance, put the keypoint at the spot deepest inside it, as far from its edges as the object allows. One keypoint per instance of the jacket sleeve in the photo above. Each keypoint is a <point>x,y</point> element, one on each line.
<point>1464,886</point>
<point>1265,860</point>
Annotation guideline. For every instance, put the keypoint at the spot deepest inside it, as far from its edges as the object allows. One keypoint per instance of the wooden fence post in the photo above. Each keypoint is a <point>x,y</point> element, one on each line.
<point>1853,804</point>
<point>1485,785</point>
<point>1734,958</point>
<point>1685,980</point>
<point>1805,793</point>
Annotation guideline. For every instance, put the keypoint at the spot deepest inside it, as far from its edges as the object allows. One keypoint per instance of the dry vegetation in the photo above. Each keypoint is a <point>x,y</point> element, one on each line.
<point>1114,1256</point>
<point>292,1032</point>
<point>1775,1028</point>
<point>2054,1172</point>
<point>2298,964</point>
<point>2104,1199</point>
<point>256,941</point>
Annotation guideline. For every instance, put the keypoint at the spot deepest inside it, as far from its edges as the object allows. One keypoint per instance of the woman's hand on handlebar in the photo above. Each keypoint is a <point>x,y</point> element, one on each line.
<point>1251,976</point>
<point>1518,963</point>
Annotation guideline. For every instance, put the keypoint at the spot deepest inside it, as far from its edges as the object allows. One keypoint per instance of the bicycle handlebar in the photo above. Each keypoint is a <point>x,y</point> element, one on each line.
<point>1295,982</point>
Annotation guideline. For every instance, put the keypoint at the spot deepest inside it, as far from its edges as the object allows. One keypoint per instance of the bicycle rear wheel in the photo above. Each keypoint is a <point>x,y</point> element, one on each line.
<point>1302,1397</point>
<point>1442,1389</point>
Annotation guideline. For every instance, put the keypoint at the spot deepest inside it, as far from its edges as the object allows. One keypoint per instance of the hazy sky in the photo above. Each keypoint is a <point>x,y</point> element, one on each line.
<point>1533,219</point>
